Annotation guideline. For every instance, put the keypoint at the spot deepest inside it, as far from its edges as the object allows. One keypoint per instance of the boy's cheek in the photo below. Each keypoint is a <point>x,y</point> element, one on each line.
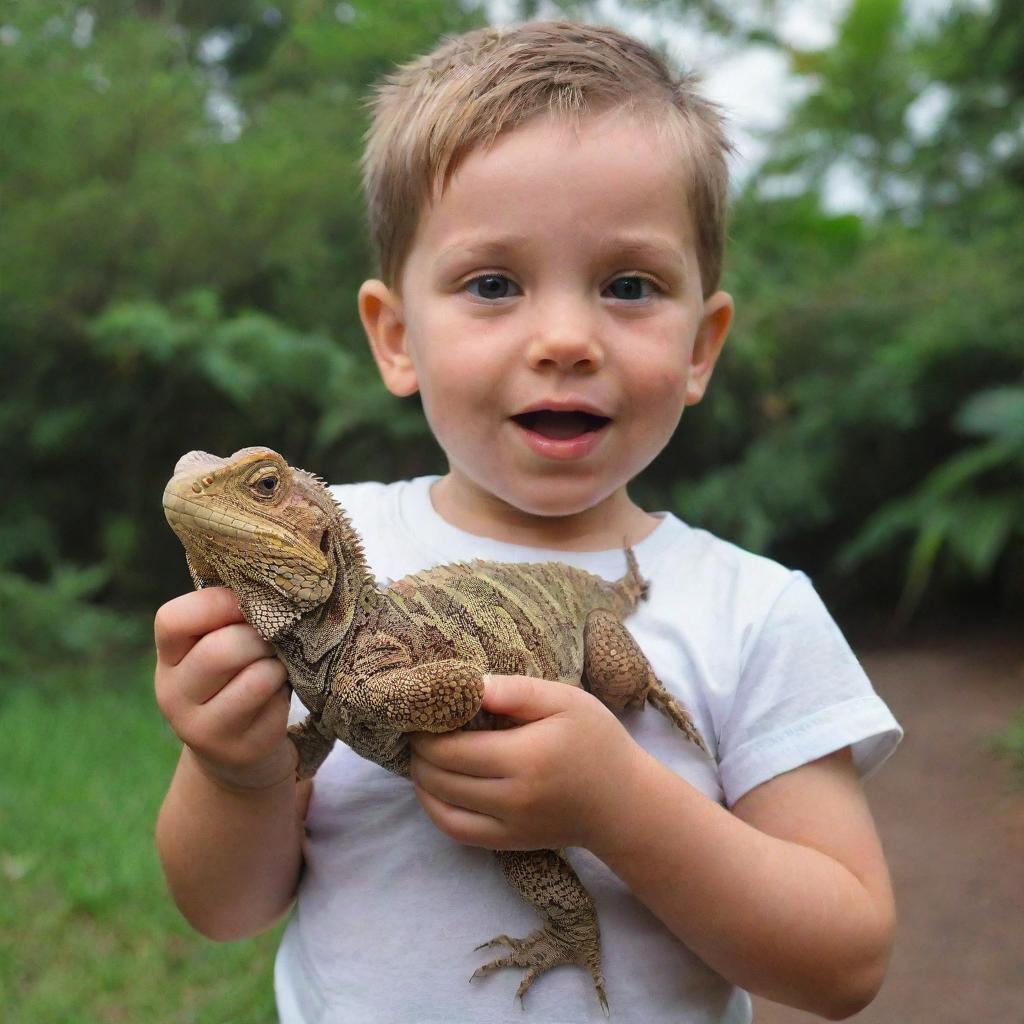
<point>669,386</point>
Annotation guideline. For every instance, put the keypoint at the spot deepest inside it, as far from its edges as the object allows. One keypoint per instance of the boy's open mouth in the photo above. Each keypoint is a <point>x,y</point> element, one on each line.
<point>561,425</point>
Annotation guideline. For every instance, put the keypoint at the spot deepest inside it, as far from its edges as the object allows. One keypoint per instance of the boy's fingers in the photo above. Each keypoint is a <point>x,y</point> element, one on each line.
<point>468,827</point>
<point>258,686</point>
<point>469,792</point>
<point>524,698</point>
<point>181,623</point>
<point>212,665</point>
<point>483,753</point>
<point>270,723</point>
<point>218,657</point>
<point>276,700</point>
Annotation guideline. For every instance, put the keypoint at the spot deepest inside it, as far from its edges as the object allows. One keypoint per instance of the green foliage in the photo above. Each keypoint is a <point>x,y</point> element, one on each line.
<point>184,241</point>
<point>970,507</point>
<point>167,285</point>
<point>856,373</point>
<point>863,420</point>
<point>53,622</point>
<point>997,413</point>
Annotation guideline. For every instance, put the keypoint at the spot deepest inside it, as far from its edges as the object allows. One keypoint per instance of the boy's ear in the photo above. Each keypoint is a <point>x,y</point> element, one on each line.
<point>380,309</point>
<point>707,347</point>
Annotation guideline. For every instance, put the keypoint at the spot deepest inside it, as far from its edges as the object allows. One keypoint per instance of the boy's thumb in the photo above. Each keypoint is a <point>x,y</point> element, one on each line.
<point>523,697</point>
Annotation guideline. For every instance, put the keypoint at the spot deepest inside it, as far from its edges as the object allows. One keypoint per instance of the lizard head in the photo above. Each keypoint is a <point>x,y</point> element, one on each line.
<point>253,523</point>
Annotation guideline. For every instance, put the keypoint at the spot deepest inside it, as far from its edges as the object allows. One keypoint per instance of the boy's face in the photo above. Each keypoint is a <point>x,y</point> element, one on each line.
<point>550,315</point>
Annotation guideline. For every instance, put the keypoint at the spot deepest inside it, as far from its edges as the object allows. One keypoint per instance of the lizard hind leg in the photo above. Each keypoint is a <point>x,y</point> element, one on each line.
<point>570,933</point>
<point>620,676</point>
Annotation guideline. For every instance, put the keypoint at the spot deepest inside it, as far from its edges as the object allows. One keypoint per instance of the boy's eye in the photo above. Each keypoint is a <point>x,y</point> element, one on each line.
<point>492,286</point>
<point>631,288</point>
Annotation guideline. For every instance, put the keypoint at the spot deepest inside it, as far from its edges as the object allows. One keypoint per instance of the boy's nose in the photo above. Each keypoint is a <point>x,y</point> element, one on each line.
<point>565,345</point>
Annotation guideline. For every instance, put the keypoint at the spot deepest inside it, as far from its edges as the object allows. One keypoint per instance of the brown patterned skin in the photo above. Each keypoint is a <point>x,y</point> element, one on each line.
<point>373,664</point>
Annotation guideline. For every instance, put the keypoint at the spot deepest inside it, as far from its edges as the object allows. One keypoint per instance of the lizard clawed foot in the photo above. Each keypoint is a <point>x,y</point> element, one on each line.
<point>538,953</point>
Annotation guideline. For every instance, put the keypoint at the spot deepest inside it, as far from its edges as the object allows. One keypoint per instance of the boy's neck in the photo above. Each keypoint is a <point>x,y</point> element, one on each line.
<point>609,524</point>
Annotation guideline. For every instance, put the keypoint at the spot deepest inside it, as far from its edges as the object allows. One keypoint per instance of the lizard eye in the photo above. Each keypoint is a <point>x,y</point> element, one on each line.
<point>266,485</point>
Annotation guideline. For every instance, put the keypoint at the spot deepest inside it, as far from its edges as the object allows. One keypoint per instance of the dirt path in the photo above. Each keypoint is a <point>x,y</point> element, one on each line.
<point>953,828</point>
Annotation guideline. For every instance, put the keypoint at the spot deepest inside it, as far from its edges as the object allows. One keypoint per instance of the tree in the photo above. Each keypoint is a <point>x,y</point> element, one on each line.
<point>875,339</point>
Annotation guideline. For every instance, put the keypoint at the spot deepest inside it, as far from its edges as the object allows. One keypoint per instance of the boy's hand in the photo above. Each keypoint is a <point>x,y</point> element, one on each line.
<point>223,691</point>
<point>549,783</point>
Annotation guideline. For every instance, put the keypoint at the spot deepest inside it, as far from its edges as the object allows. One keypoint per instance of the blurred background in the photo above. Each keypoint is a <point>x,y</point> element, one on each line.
<point>182,241</point>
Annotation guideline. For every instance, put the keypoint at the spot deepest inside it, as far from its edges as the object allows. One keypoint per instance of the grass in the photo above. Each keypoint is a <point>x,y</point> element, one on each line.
<point>87,932</point>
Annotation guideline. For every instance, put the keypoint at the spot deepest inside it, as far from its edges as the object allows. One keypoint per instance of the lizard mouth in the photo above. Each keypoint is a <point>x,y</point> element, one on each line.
<point>561,425</point>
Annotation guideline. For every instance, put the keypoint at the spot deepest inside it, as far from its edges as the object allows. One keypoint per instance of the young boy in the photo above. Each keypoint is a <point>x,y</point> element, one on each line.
<point>548,204</point>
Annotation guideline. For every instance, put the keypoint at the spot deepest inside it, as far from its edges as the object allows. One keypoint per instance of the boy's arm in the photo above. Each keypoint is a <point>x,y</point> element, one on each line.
<point>229,834</point>
<point>231,859</point>
<point>787,895</point>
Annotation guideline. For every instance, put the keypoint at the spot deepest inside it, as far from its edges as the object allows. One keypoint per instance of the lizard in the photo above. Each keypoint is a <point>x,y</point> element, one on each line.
<point>372,663</point>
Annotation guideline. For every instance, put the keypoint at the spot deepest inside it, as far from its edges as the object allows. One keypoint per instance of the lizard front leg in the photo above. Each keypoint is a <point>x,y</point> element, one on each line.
<point>570,933</point>
<point>435,697</point>
<point>313,744</point>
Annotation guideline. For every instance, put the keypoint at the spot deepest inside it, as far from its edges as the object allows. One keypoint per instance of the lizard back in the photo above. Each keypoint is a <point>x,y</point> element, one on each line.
<point>515,618</point>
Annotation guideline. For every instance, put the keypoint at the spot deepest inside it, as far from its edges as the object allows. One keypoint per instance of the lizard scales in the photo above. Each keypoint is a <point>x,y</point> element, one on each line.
<point>373,663</point>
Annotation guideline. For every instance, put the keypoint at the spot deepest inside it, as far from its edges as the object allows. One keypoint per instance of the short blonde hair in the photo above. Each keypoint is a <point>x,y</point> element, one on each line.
<point>433,111</point>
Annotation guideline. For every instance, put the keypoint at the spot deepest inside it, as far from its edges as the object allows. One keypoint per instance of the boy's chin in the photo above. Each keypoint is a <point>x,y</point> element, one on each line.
<point>558,499</point>
<point>552,497</point>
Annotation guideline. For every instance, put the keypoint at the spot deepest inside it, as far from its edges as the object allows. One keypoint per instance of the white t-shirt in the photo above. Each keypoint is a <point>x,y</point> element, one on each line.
<point>390,909</point>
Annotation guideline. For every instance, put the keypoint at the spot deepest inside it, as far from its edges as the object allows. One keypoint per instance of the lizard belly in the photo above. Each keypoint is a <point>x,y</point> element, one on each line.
<point>385,747</point>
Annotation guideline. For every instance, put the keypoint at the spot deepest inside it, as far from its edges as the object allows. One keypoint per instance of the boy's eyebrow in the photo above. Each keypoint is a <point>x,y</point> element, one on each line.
<point>643,247</point>
<point>482,245</point>
<point>628,246</point>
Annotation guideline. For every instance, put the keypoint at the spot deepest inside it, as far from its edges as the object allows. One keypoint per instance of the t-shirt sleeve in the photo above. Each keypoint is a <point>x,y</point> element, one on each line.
<point>801,694</point>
